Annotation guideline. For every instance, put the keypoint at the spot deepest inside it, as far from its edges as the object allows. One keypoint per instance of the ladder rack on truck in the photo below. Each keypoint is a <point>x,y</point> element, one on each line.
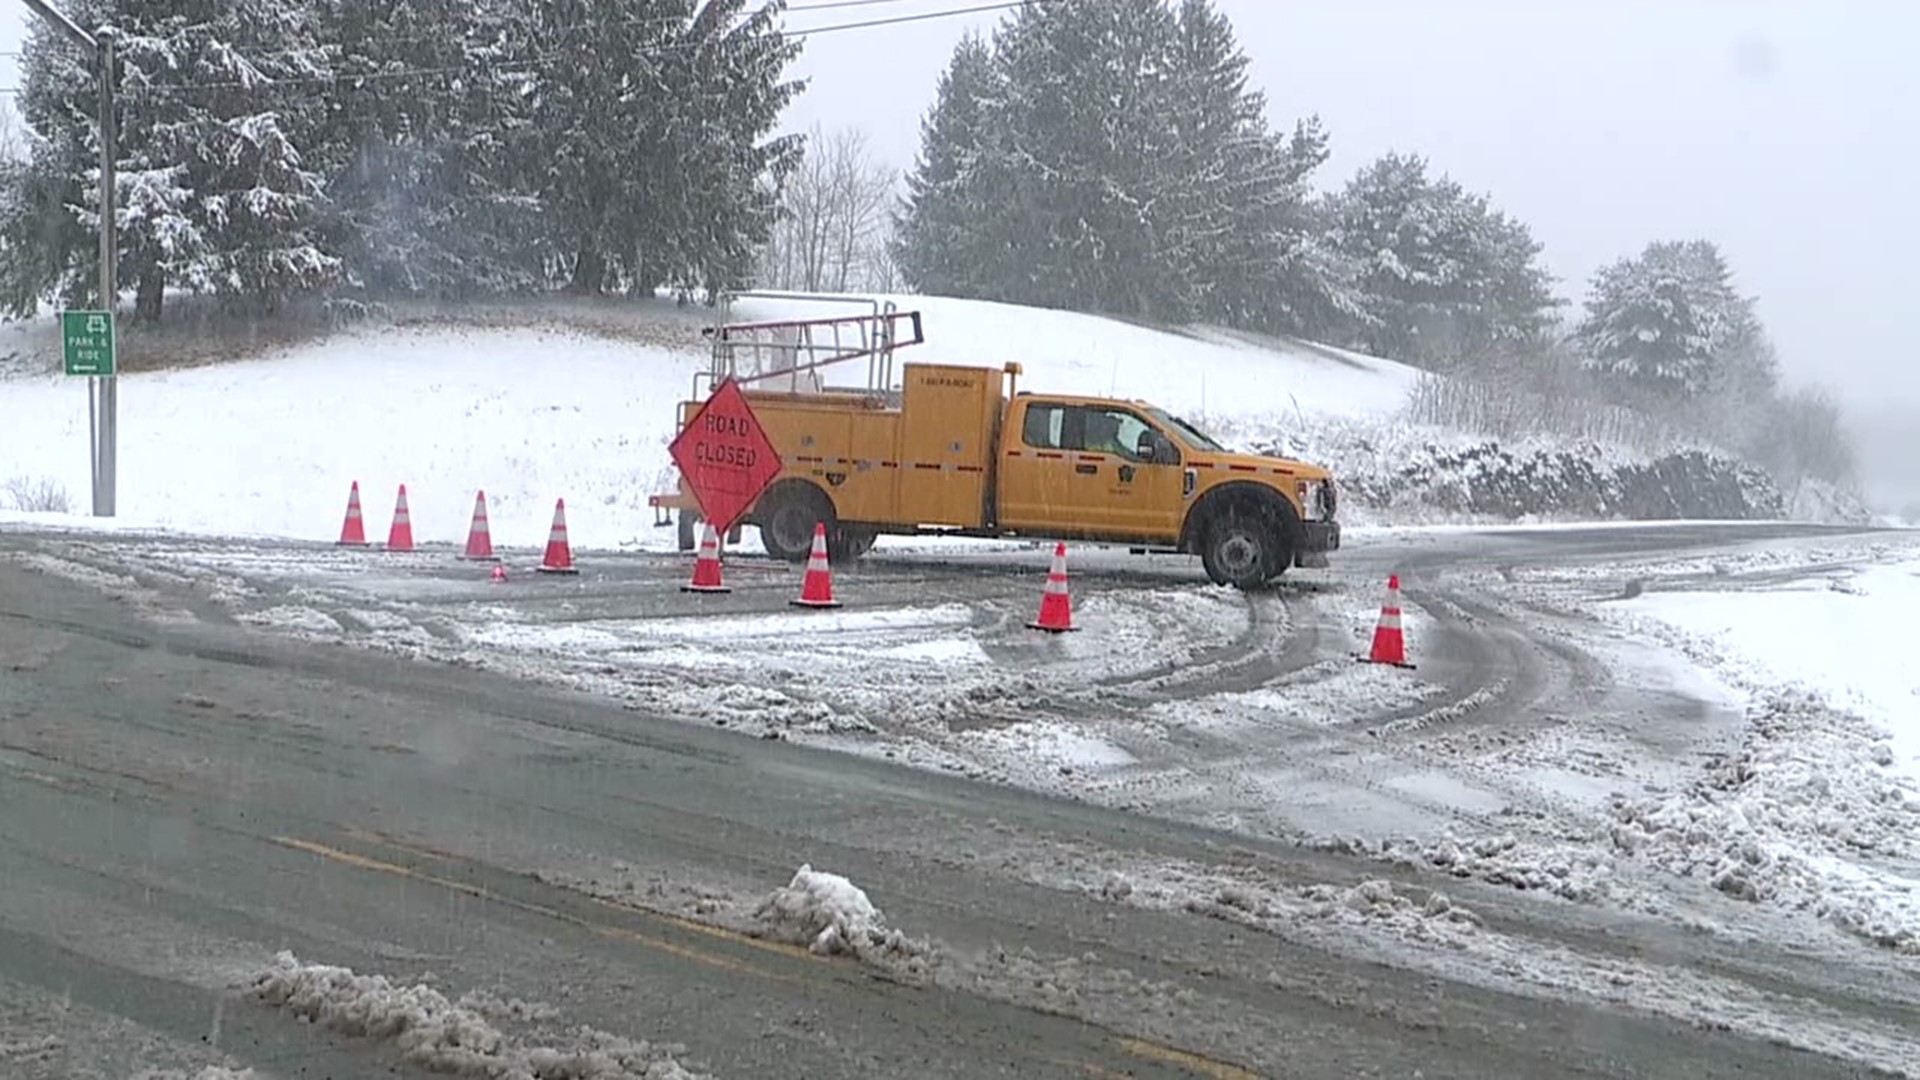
<point>787,356</point>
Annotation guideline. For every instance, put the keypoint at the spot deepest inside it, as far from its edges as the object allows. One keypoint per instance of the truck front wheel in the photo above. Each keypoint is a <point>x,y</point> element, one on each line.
<point>787,517</point>
<point>1244,550</point>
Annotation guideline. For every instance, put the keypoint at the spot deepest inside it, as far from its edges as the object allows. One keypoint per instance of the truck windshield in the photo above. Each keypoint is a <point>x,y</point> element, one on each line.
<point>1186,432</point>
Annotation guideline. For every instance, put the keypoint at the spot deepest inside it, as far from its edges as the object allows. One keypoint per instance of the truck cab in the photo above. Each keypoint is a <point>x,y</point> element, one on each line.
<point>1128,472</point>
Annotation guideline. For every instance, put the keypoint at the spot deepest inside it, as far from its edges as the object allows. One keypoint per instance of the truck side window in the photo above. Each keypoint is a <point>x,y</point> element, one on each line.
<point>1044,426</point>
<point>1115,431</point>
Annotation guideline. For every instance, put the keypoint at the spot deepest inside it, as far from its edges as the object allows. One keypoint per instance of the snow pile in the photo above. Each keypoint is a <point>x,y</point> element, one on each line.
<point>1372,902</point>
<point>1795,820</point>
<point>831,916</point>
<point>118,587</point>
<point>444,1036</point>
<point>40,1048</point>
<point>1403,473</point>
<point>1581,871</point>
<point>1818,810</point>
<point>1427,930</point>
<point>1259,900</point>
<point>920,670</point>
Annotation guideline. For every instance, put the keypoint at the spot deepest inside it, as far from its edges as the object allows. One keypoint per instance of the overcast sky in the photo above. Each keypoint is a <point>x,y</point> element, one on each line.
<point>1788,132</point>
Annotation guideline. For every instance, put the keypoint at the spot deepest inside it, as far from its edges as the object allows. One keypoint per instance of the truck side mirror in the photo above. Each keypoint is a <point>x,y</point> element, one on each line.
<point>1164,452</point>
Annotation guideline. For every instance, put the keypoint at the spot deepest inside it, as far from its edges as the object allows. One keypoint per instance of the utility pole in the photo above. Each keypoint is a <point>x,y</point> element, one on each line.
<point>103,391</point>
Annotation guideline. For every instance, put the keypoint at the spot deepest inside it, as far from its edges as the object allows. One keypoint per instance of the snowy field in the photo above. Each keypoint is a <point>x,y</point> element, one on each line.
<point>1844,636</point>
<point>1821,809</point>
<point>269,447</point>
<point>1793,816</point>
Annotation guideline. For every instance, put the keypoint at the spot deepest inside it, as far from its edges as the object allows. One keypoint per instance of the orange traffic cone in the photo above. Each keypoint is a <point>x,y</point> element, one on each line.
<point>706,568</point>
<point>353,532</point>
<point>1056,605</point>
<point>816,590</point>
<point>1389,641</point>
<point>559,558</point>
<point>479,538</point>
<point>400,533</point>
<point>499,575</point>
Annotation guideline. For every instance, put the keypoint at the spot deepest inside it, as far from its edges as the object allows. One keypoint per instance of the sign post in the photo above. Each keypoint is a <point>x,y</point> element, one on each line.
<point>726,456</point>
<point>103,393</point>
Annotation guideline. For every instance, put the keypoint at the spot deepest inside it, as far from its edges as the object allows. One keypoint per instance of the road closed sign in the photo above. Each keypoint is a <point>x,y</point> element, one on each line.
<point>726,456</point>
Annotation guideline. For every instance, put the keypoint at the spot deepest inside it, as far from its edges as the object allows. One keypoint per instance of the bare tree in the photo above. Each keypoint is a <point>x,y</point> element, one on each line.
<point>832,232</point>
<point>13,144</point>
<point>1809,439</point>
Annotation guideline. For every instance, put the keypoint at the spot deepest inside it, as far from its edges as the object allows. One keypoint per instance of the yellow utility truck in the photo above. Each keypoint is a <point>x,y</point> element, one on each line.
<point>958,450</point>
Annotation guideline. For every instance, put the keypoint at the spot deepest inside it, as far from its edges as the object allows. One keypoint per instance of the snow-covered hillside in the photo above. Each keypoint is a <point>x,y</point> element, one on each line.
<point>270,446</point>
<point>539,402</point>
<point>1198,373</point>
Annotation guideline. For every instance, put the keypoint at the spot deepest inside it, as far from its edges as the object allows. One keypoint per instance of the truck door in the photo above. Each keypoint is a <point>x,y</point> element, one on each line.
<point>1035,468</point>
<point>1130,492</point>
<point>1088,471</point>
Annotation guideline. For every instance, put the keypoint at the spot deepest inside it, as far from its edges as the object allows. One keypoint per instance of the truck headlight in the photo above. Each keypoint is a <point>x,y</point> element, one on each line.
<point>1313,500</point>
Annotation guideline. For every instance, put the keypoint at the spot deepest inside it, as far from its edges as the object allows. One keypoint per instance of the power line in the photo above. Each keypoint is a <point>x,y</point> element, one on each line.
<point>631,21</point>
<point>526,64</point>
<point>827,5</point>
<point>675,21</point>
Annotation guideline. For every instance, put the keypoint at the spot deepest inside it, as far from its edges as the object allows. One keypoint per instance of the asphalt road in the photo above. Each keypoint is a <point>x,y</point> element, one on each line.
<point>179,799</point>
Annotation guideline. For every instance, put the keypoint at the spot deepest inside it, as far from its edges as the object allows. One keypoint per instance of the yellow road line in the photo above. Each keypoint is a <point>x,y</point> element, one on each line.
<point>699,956</point>
<point>694,926</point>
<point>681,922</point>
<point>1198,1064</point>
<point>1089,1068</point>
<point>367,836</point>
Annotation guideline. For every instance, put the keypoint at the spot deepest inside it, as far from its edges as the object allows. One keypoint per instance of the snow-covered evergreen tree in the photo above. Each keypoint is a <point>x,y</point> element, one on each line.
<point>49,253</point>
<point>1246,231</point>
<point>947,239</point>
<point>425,144</point>
<point>715,160</point>
<point>1444,275</point>
<point>234,87</point>
<point>1669,320</point>
<point>1107,155</point>
<point>653,163</point>
<point>1087,118</point>
<point>213,192</point>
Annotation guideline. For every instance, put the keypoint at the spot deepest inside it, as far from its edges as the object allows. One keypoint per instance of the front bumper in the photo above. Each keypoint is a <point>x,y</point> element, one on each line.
<point>1319,536</point>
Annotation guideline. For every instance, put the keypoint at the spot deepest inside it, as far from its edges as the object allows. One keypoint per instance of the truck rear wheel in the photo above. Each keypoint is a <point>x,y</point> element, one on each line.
<point>787,517</point>
<point>848,542</point>
<point>1244,550</point>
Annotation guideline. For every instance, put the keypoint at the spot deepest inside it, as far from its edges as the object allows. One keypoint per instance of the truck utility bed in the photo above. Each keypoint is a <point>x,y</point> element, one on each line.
<point>919,456</point>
